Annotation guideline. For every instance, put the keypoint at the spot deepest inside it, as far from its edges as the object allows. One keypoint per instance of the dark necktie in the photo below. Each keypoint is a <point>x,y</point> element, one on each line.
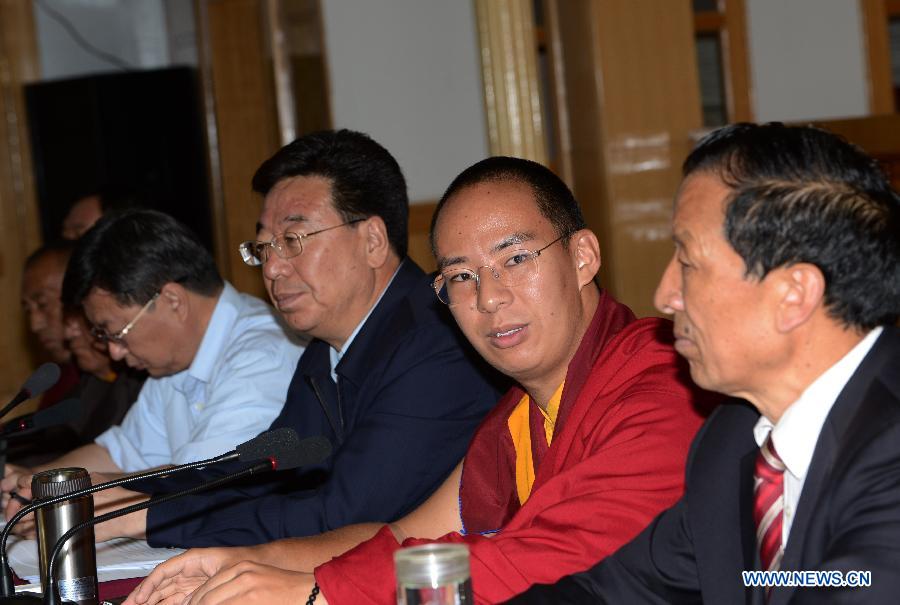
<point>768,492</point>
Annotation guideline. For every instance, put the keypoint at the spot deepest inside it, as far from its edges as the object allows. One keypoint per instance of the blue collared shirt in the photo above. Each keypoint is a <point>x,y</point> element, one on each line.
<point>231,392</point>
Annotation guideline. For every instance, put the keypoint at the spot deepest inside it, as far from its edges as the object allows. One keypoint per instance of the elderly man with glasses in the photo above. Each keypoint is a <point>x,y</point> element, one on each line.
<point>572,462</point>
<point>219,361</point>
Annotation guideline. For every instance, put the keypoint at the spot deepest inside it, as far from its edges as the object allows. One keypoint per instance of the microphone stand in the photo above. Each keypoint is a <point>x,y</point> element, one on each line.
<point>40,380</point>
<point>7,586</point>
<point>51,597</point>
<point>3,450</point>
<point>280,449</point>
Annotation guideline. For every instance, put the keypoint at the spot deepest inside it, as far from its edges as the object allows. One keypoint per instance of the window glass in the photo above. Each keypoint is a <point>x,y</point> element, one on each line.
<point>705,5</point>
<point>894,37</point>
<point>712,90</point>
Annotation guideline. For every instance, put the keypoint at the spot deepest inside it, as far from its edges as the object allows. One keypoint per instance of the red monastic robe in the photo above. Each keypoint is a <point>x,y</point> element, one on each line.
<point>626,420</point>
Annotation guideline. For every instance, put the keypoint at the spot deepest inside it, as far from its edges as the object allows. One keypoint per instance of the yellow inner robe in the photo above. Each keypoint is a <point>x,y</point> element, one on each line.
<point>519,429</point>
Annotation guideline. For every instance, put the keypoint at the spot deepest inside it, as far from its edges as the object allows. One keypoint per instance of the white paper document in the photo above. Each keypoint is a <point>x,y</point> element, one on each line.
<point>116,559</point>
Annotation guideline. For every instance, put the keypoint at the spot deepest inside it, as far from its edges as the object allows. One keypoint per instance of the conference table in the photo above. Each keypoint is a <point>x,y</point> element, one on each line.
<point>121,564</point>
<point>112,592</point>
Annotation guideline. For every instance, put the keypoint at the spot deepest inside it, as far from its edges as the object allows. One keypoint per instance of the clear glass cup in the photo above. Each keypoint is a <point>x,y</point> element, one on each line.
<point>433,574</point>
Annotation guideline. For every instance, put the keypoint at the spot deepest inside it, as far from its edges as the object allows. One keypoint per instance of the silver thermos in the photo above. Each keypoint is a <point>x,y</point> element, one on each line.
<point>76,565</point>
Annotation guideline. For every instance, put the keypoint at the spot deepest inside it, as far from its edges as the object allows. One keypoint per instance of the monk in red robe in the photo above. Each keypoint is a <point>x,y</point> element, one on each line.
<point>571,464</point>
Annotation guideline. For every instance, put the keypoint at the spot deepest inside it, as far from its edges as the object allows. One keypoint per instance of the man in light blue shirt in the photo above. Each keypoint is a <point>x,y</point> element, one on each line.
<point>219,361</point>
<point>232,391</point>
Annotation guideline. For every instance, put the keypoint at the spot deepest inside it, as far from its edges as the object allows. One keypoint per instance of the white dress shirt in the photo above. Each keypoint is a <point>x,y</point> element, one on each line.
<point>797,432</point>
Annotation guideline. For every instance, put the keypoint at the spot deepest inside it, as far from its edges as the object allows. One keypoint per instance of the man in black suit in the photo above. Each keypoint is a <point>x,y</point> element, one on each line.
<point>785,288</point>
<point>387,376</point>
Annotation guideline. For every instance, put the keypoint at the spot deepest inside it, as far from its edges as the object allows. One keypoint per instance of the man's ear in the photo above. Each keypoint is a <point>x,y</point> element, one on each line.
<point>585,250</point>
<point>800,290</point>
<point>174,296</point>
<point>378,246</point>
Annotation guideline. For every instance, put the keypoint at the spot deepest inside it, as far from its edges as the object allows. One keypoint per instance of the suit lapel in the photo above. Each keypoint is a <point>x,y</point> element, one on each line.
<point>718,483</point>
<point>748,529</point>
<point>847,426</point>
<point>317,375</point>
<point>816,478</point>
<point>844,427</point>
<point>356,364</point>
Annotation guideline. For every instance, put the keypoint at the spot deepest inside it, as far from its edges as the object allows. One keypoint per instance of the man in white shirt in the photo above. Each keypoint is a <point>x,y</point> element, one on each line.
<point>785,291</point>
<point>219,361</point>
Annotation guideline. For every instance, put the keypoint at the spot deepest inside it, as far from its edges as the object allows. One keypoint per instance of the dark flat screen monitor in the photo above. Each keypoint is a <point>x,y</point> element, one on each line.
<point>136,131</point>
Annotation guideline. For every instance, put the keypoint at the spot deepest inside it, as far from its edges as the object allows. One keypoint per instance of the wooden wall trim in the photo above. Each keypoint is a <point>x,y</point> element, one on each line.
<point>708,22</point>
<point>245,131</point>
<point>281,67</point>
<point>559,104</point>
<point>419,227</point>
<point>509,72</point>
<point>738,87</point>
<point>211,138</point>
<point>19,221</point>
<point>878,54</point>
<point>632,97</point>
<point>729,24</point>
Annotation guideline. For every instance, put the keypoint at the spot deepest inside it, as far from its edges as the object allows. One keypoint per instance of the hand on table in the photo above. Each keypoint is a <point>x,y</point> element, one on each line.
<point>17,479</point>
<point>248,582</point>
<point>176,579</point>
<point>11,475</point>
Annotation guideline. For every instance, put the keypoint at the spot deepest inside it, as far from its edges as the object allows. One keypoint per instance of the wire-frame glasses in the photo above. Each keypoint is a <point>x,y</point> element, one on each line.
<point>287,245</point>
<point>119,337</point>
<point>513,268</point>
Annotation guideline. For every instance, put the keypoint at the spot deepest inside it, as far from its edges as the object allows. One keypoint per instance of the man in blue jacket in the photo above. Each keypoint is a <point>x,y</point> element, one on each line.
<point>387,377</point>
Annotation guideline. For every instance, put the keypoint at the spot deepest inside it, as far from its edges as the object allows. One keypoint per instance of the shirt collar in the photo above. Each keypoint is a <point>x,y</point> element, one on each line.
<point>218,331</point>
<point>797,431</point>
<point>334,355</point>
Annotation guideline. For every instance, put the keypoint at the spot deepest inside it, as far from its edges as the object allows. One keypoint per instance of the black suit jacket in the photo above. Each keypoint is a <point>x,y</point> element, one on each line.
<point>847,519</point>
<point>410,393</point>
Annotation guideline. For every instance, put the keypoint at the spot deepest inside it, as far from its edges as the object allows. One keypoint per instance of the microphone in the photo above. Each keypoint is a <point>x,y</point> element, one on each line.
<point>54,415</point>
<point>284,447</point>
<point>280,447</point>
<point>286,454</point>
<point>43,378</point>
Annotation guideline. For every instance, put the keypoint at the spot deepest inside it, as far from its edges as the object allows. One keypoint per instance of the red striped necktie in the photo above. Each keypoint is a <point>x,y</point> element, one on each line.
<point>768,492</point>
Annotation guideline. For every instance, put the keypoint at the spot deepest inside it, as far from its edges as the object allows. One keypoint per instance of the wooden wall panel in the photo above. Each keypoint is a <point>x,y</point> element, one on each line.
<point>878,54</point>
<point>304,39</point>
<point>632,101</point>
<point>877,135</point>
<point>244,132</point>
<point>737,64</point>
<point>18,208</point>
<point>419,228</point>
